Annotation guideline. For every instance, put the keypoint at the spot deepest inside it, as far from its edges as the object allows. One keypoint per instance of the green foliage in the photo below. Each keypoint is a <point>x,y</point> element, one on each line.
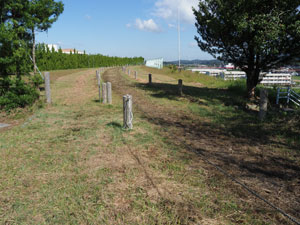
<point>16,93</point>
<point>50,60</point>
<point>36,80</point>
<point>255,35</point>
<point>43,13</point>
<point>18,21</point>
<point>173,68</point>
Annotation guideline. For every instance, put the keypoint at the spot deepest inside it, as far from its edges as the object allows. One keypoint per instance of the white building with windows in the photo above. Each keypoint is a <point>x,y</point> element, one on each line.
<point>155,63</point>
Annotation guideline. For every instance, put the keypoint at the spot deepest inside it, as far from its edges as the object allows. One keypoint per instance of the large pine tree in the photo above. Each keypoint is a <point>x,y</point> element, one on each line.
<point>255,35</point>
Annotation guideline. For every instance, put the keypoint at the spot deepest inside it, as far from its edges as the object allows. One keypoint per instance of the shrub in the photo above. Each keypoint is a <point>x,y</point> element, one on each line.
<point>36,80</point>
<point>16,93</point>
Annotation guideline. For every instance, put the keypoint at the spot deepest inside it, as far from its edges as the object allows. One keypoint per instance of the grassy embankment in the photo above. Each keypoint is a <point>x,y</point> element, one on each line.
<point>71,163</point>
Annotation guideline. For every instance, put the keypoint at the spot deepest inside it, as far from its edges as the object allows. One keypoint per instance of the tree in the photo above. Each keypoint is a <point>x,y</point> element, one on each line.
<point>255,35</point>
<point>13,38</point>
<point>41,15</point>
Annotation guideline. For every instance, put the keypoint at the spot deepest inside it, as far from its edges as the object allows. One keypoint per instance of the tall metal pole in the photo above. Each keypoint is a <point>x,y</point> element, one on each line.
<point>179,38</point>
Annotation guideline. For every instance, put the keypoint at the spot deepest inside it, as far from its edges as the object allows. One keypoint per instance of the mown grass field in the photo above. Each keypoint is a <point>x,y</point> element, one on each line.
<point>72,163</point>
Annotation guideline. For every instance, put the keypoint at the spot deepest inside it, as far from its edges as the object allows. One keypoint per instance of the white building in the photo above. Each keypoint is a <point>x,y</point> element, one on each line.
<point>55,47</point>
<point>72,50</point>
<point>233,75</point>
<point>229,66</point>
<point>209,72</point>
<point>283,79</point>
<point>155,63</point>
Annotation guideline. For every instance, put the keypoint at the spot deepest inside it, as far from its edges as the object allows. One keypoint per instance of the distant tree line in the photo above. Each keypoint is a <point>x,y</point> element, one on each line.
<point>49,59</point>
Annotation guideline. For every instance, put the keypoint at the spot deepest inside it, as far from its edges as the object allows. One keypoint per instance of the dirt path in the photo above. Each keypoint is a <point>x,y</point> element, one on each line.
<point>265,171</point>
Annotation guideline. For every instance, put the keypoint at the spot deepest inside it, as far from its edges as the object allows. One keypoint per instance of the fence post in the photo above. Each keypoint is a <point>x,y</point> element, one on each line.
<point>150,78</point>
<point>98,75</point>
<point>47,87</point>
<point>263,104</point>
<point>104,93</point>
<point>128,72</point>
<point>98,78</point>
<point>135,75</point>
<point>127,112</point>
<point>180,87</point>
<point>108,87</point>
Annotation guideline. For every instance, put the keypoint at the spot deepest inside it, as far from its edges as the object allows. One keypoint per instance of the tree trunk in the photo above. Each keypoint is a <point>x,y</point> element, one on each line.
<point>33,51</point>
<point>252,81</point>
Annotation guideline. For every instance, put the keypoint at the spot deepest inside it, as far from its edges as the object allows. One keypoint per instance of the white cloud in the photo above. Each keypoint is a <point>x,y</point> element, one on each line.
<point>167,9</point>
<point>170,25</point>
<point>147,25</point>
<point>128,25</point>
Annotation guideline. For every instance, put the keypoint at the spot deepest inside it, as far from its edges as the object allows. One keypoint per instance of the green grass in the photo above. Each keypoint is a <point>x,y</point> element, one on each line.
<point>72,163</point>
<point>296,78</point>
<point>223,105</point>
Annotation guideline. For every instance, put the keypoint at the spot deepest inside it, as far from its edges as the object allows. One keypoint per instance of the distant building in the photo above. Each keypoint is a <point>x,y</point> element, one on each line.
<point>155,63</point>
<point>229,66</point>
<point>53,46</point>
<point>74,51</point>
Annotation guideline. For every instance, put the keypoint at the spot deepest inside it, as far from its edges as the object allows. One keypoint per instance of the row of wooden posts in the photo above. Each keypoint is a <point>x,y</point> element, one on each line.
<point>180,82</point>
<point>105,90</point>
<point>263,104</point>
<point>106,93</point>
<point>107,98</point>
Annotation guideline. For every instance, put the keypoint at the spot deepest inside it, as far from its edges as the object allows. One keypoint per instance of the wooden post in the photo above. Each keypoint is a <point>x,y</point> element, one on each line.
<point>47,87</point>
<point>263,104</point>
<point>135,75</point>
<point>104,93</point>
<point>128,72</point>
<point>98,78</point>
<point>108,87</point>
<point>127,112</point>
<point>99,83</point>
<point>150,78</point>
<point>180,87</point>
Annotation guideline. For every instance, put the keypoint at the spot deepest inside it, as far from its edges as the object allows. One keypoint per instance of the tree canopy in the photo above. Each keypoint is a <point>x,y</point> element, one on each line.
<point>255,35</point>
<point>18,21</point>
<point>40,16</point>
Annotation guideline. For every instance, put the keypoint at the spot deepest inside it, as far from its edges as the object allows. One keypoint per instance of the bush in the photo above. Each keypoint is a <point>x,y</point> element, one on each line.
<point>36,80</point>
<point>16,93</point>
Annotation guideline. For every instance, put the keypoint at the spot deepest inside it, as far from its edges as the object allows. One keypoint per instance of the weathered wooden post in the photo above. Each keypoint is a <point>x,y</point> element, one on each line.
<point>128,72</point>
<point>127,112</point>
<point>150,78</point>
<point>108,87</point>
<point>135,75</point>
<point>47,87</point>
<point>180,87</point>
<point>104,93</point>
<point>98,75</point>
<point>263,104</point>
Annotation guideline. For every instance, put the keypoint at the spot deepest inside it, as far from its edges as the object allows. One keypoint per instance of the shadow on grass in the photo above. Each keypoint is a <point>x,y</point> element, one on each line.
<point>114,124</point>
<point>226,109</point>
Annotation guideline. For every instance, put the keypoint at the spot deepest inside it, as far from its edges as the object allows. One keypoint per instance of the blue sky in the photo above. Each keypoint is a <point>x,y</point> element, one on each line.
<point>146,28</point>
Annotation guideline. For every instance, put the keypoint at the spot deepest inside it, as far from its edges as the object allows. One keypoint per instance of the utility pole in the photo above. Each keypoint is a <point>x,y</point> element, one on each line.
<point>179,37</point>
